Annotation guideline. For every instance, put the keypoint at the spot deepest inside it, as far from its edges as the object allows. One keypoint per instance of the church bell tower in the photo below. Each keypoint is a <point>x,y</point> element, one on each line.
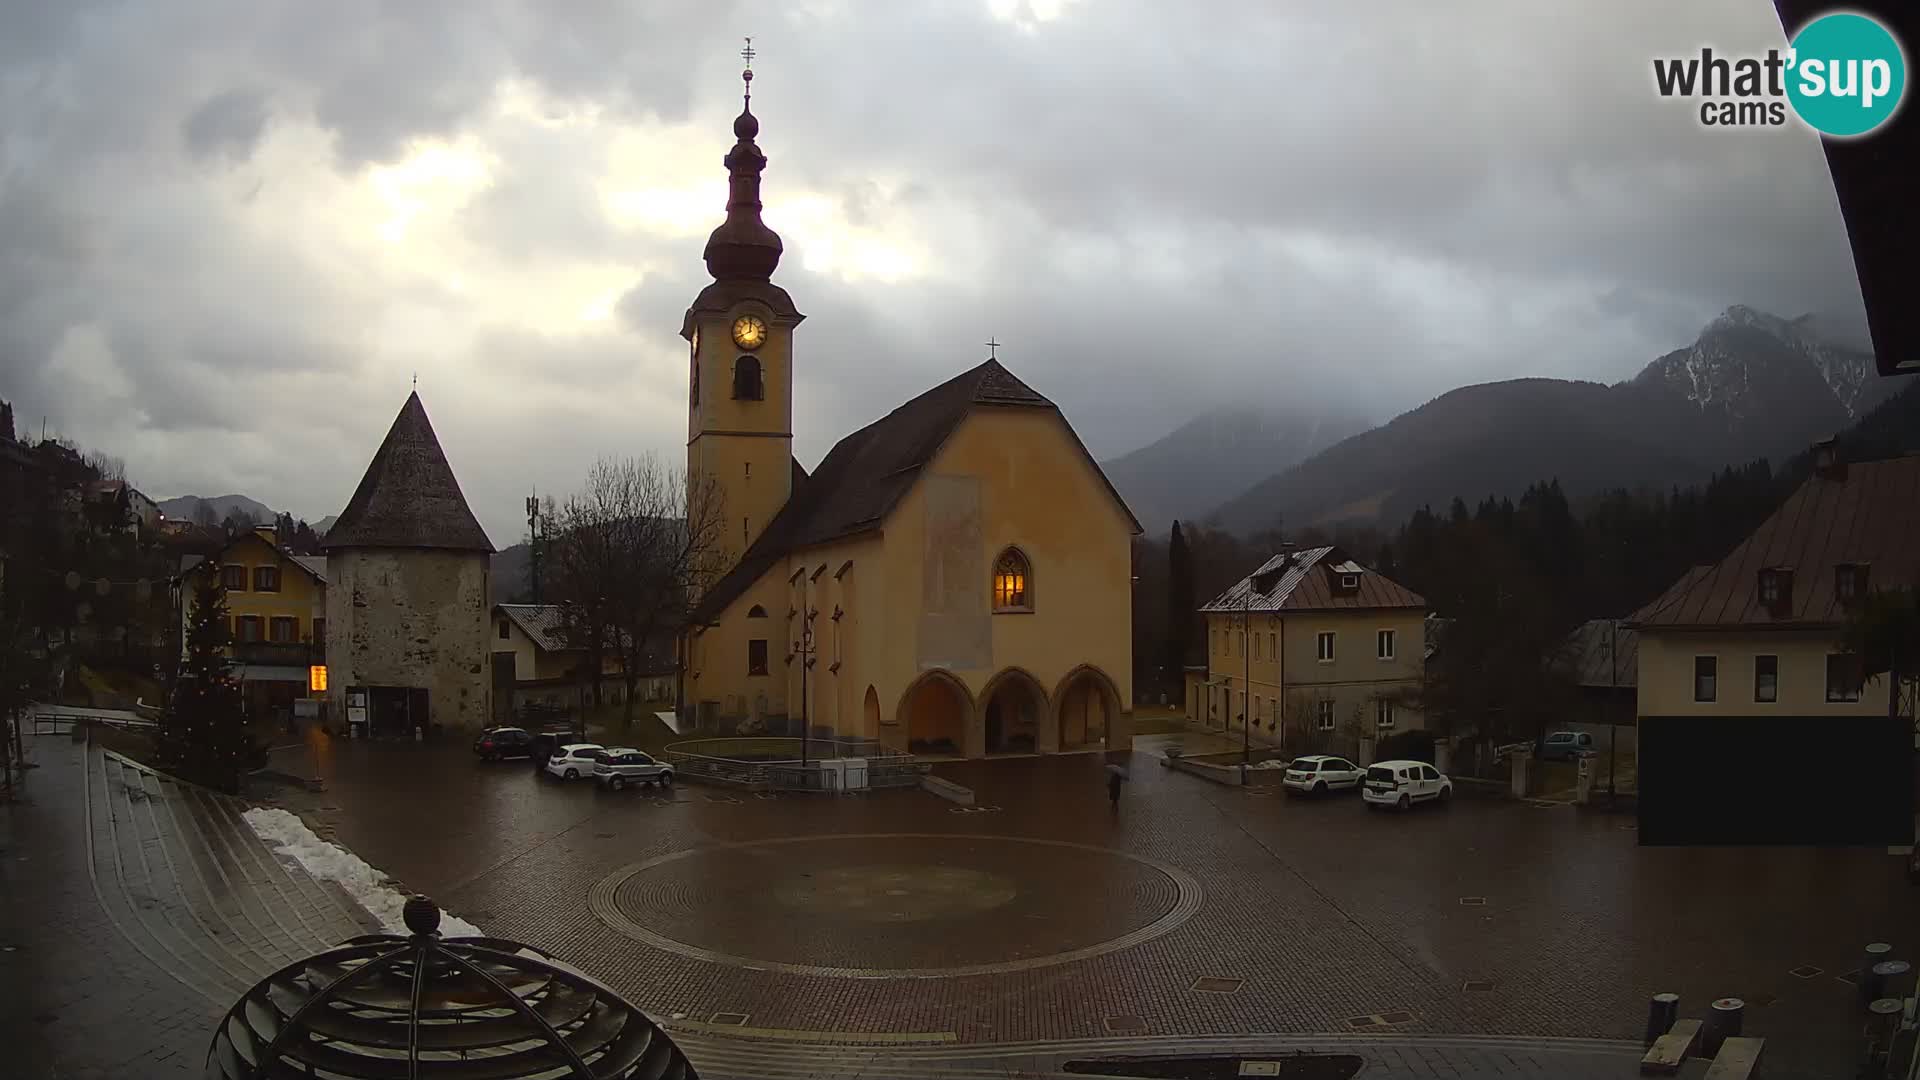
<point>740,333</point>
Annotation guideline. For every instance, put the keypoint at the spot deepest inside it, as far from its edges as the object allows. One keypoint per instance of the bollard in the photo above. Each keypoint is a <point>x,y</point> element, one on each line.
<point>1883,1022</point>
<point>1723,1022</point>
<point>1875,953</point>
<point>1885,979</point>
<point>1662,1011</point>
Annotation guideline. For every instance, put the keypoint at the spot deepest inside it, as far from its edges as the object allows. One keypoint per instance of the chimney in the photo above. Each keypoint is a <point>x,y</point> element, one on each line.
<point>1827,463</point>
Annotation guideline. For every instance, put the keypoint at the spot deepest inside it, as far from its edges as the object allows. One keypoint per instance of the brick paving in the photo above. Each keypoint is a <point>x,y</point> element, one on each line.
<point>1326,912</point>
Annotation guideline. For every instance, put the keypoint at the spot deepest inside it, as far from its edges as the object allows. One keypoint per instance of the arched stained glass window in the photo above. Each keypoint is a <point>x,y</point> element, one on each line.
<point>1012,582</point>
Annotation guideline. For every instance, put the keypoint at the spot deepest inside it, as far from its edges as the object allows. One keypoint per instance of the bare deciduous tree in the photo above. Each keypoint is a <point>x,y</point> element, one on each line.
<point>627,556</point>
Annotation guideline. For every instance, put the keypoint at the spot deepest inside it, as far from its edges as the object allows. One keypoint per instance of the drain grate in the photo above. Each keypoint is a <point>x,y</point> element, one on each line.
<point>1850,976</point>
<point>1125,1024</point>
<point>730,1019</point>
<point>1477,986</point>
<point>1397,1017</point>
<point>603,836</point>
<point>1214,984</point>
<point>1473,901</point>
<point>1807,971</point>
<point>1365,1023</point>
<point>1259,1068</point>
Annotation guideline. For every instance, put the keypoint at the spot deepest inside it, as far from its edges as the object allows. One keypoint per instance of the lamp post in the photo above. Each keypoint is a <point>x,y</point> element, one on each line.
<point>1246,665</point>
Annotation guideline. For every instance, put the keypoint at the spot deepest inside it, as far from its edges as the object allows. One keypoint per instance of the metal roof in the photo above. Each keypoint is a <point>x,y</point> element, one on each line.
<point>543,623</point>
<point>1862,514</point>
<point>1604,653</point>
<point>1301,581</point>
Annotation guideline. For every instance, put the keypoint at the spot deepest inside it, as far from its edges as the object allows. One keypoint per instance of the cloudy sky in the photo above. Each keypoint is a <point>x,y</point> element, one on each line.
<point>232,232</point>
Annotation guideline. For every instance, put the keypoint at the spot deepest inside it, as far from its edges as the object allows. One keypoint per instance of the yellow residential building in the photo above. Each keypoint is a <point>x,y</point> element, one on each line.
<point>276,608</point>
<point>1319,651</point>
<point>953,578</point>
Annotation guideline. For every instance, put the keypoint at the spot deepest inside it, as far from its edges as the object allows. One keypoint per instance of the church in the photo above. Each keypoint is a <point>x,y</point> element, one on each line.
<point>955,578</point>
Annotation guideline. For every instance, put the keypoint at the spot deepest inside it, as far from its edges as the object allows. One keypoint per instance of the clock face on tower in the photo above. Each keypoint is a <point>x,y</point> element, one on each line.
<point>749,332</point>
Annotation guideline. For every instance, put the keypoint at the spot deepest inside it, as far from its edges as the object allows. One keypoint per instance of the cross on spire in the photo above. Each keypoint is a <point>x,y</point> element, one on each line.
<point>993,349</point>
<point>746,74</point>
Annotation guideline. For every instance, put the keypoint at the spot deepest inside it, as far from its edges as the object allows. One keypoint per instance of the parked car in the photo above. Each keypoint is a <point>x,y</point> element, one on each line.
<point>1566,745</point>
<point>1319,774</point>
<point>574,760</point>
<point>545,745</point>
<point>624,765</point>
<point>503,742</point>
<point>1403,783</point>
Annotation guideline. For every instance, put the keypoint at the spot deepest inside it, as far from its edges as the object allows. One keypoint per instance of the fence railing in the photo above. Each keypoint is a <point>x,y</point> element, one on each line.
<point>775,762</point>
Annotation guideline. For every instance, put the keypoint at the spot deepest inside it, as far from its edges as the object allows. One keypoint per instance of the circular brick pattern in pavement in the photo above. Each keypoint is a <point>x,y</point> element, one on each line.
<point>895,905</point>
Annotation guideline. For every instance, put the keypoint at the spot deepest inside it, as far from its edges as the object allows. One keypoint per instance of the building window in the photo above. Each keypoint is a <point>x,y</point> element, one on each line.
<point>1273,645</point>
<point>756,612</point>
<point>1256,708</point>
<point>1382,713</point>
<point>1256,646</point>
<point>746,379</point>
<point>1846,675</point>
<point>757,656</point>
<point>1849,582</point>
<point>283,630</point>
<point>1012,582</point>
<point>246,628</point>
<point>1349,582</point>
<point>1323,644</point>
<point>503,630</point>
<point>1766,678</point>
<point>1776,589</point>
<point>1383,644</point>
<point>266,579</point>
<point>233,578</point>
<point>1706,670</point>
<point>1323,714</point>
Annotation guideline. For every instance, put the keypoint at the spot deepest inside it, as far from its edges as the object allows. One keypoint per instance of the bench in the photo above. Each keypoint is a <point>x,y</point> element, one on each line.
<point>1736,1060</point>
<point>1670,1051</point>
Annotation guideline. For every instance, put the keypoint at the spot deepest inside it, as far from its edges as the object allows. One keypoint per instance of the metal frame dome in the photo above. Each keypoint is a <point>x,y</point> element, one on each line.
<point>387,1007</point>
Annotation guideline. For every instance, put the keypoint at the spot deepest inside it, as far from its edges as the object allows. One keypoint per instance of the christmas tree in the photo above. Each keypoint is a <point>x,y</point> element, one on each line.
<point>203,734</point>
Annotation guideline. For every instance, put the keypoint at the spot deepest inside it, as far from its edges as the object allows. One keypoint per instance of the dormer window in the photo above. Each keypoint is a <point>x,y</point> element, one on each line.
<point>1349,582</point>
<point>1849,582</point>
<point>746,379</point>
<point>1776,589</point>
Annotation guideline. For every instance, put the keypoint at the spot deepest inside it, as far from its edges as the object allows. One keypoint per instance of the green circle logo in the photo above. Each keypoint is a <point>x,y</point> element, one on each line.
<point>1847,74</point>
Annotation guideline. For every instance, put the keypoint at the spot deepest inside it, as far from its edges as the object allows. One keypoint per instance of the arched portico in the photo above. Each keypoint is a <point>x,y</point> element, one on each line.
<point>1086,709</point>
<point>1014,715</point>
<point>870,715</point>
<point>938,712</point>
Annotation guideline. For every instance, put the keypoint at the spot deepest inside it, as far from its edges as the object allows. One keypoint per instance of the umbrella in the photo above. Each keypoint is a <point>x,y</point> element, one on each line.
<point>1115,770</point>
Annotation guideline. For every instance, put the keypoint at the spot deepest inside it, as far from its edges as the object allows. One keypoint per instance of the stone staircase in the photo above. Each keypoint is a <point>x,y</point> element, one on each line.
<point>188,883</point>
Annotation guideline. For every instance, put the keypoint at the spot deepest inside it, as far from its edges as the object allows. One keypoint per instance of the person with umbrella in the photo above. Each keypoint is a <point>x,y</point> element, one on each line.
<point>1115,777</point>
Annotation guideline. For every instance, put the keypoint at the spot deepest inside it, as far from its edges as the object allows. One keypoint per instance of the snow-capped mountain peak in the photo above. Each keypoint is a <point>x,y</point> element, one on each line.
<point>1725,368</point>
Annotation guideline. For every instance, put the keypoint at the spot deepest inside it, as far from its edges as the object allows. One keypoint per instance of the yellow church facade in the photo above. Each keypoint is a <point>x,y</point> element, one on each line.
<point>952,579</point>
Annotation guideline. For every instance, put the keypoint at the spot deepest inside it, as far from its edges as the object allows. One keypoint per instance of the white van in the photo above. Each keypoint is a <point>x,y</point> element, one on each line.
<point>1403,783</point>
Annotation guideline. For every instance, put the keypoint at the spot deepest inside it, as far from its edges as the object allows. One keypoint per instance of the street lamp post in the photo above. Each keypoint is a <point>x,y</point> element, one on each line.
<point>1246,666</point>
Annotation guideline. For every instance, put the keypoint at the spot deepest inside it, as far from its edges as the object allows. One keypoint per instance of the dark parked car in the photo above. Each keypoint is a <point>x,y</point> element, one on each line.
<point>544,745</point>
<point>504,742</point>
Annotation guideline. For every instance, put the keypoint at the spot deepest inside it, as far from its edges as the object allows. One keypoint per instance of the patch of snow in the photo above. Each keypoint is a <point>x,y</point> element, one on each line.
<point>286,833</point>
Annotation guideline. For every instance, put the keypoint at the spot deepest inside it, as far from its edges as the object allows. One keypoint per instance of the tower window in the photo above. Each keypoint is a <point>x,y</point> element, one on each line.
<point>746,379</point>
<point>1012,582</point>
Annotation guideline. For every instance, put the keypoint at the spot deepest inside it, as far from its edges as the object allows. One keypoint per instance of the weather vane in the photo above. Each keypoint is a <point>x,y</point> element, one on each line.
<point>993,349</point>
<point>746,76</point>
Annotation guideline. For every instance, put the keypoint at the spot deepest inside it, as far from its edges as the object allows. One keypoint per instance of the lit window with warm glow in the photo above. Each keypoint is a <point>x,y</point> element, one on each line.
<point>1012,582</point>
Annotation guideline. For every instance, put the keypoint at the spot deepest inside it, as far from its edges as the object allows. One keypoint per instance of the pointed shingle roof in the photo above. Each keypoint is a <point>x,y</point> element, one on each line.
<point>867,473</point>
<point>408,497</point>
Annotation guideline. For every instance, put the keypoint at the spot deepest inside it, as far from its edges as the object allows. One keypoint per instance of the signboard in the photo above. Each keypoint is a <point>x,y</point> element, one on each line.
<point>317,678</point>
<point>356,716</point>
<point>306,708</point>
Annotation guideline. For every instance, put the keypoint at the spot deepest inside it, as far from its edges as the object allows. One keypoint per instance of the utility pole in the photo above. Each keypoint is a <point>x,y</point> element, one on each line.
<point>534,544</point>
<point>1246,665</point>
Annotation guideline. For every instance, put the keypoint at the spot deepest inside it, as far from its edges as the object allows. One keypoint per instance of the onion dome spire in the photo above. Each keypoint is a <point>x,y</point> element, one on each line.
<point>743,248</point>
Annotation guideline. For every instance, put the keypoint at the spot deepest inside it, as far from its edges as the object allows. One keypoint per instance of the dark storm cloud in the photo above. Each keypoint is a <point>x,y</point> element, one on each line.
<point>1159,207</point>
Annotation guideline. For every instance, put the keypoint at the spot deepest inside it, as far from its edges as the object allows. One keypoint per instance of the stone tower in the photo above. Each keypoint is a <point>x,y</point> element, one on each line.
<point>740,329</point>
<point>408,592</point>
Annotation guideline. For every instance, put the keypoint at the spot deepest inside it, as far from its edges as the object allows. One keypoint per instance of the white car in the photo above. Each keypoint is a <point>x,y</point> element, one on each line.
<point>1403,783</point>
<point>574,760</point>
<point>624,765</point>
<point>1320,773</point>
